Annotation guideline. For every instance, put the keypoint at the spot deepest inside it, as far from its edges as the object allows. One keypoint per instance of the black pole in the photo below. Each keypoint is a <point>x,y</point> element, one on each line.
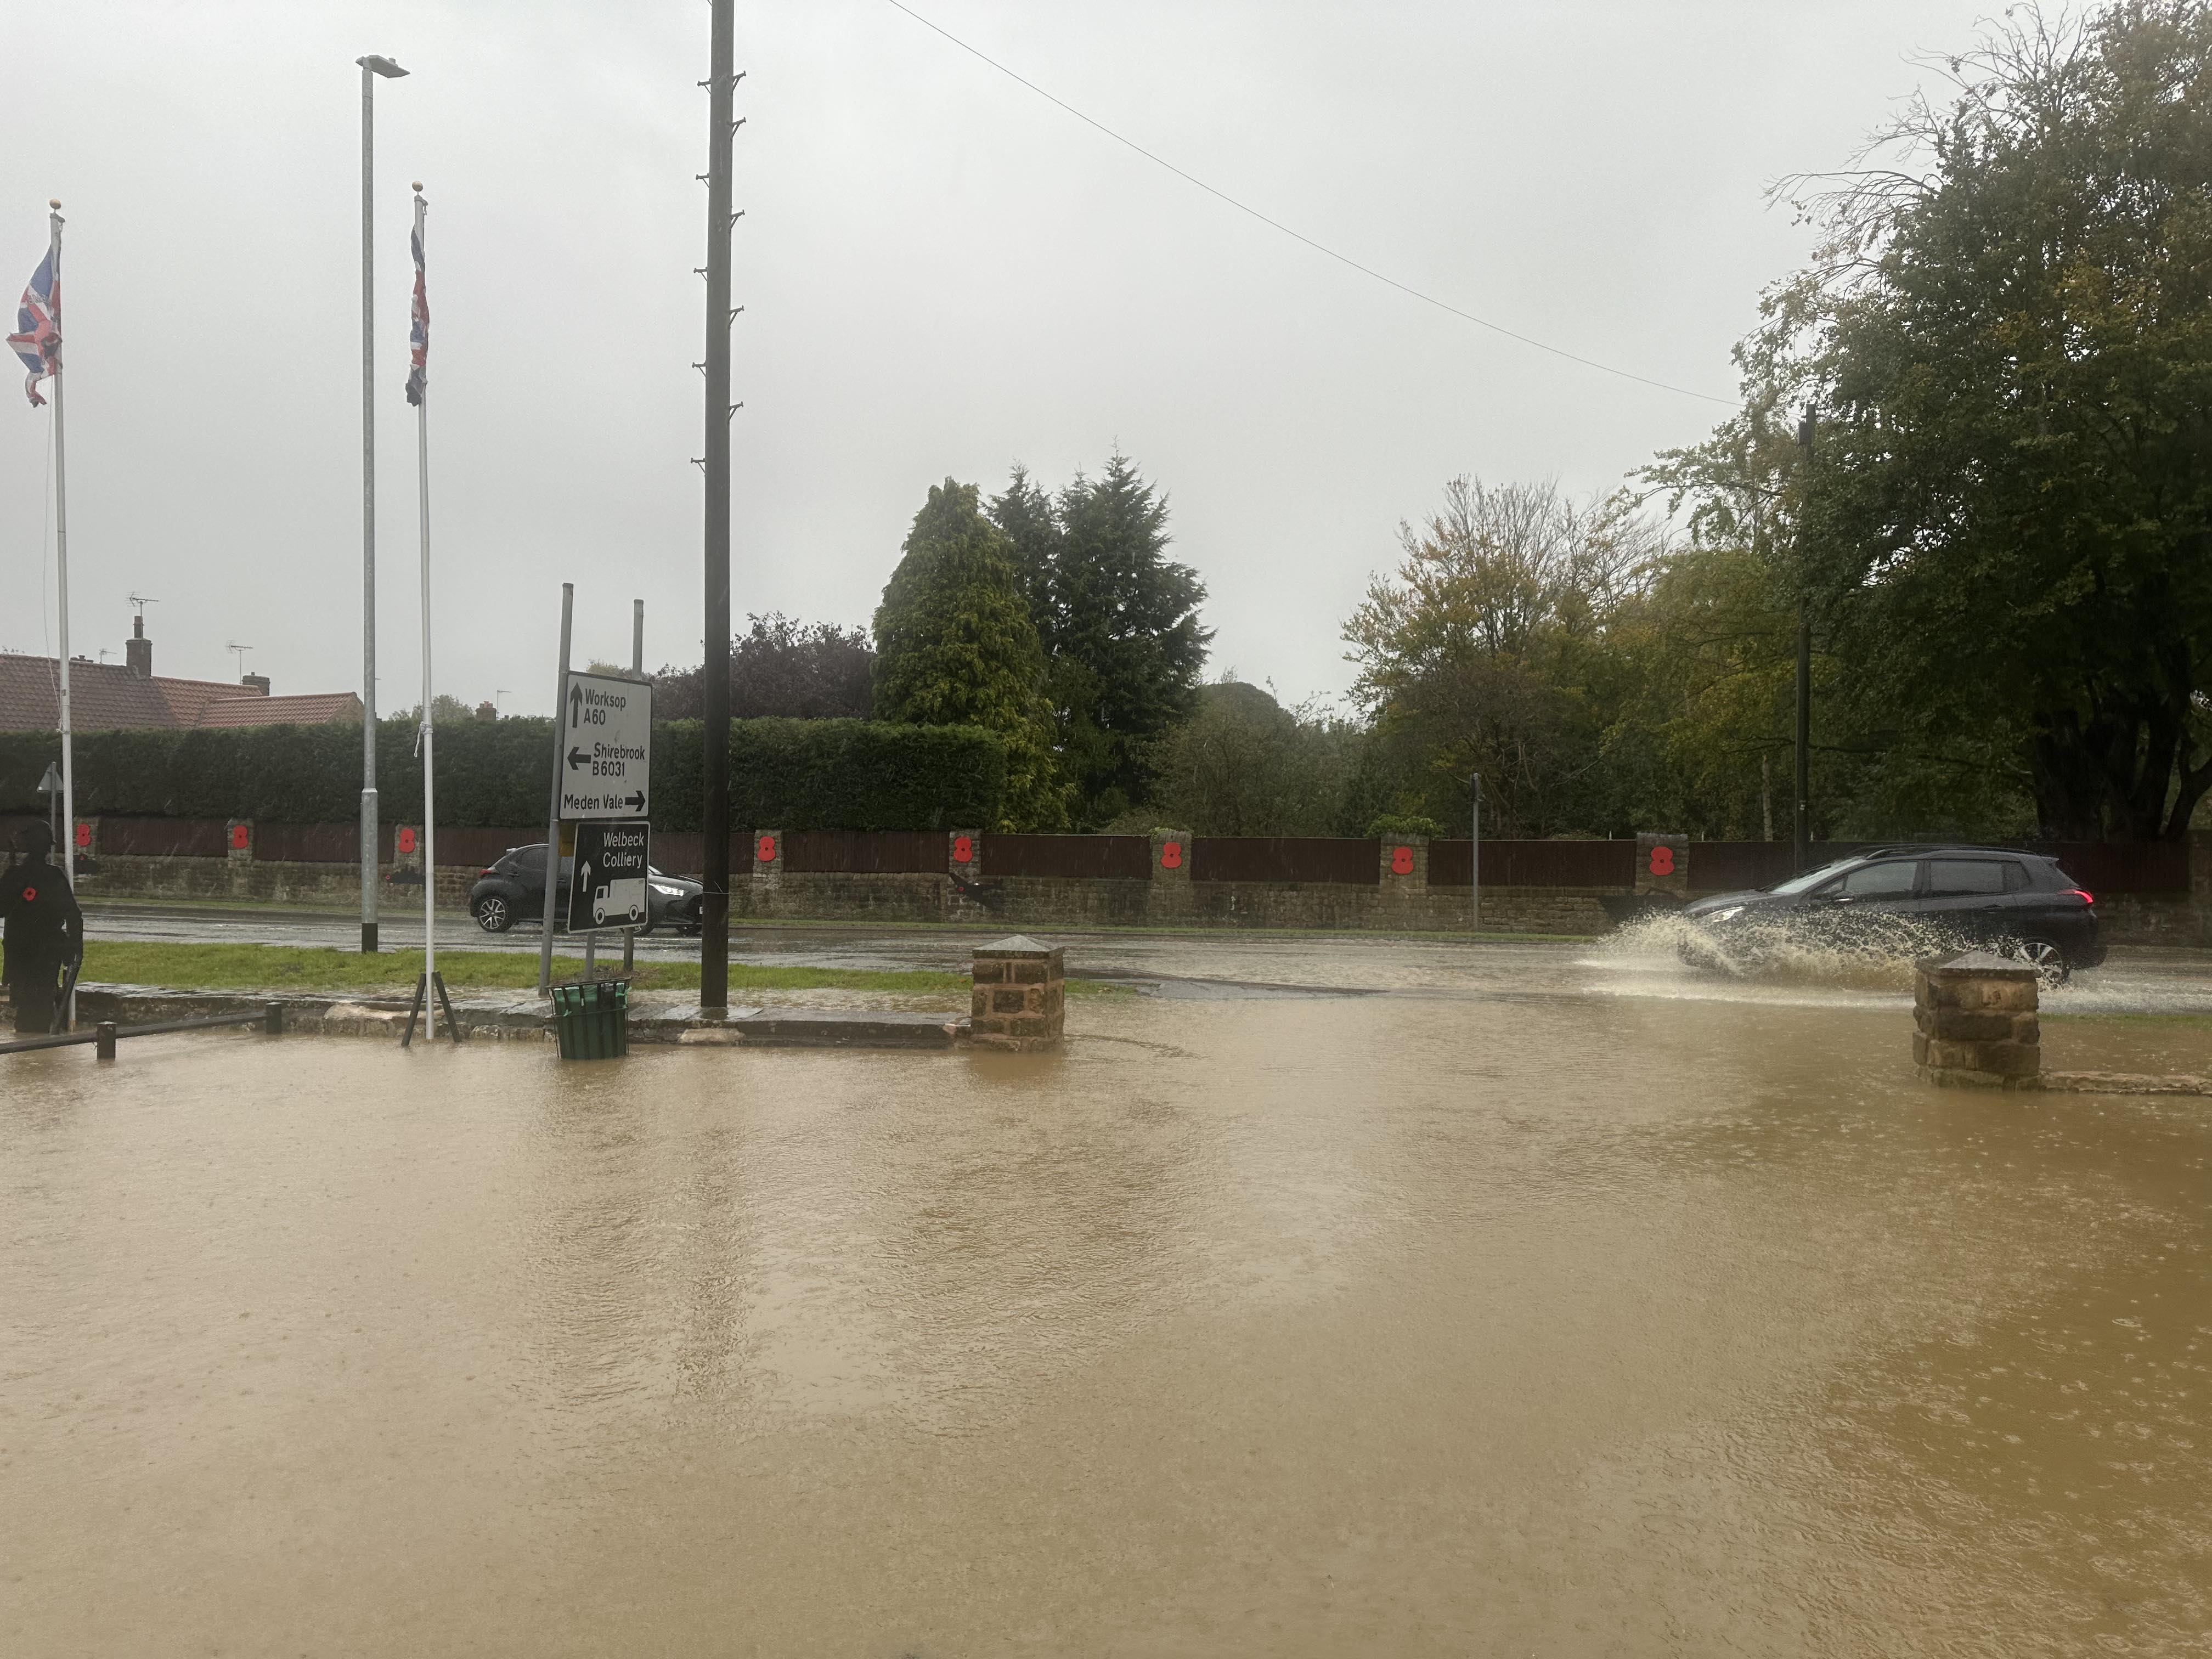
<point>714,675</point>
<point>1803,835</point>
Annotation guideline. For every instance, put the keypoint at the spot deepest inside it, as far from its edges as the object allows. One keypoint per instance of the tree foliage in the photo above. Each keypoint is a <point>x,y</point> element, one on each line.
<point>782,669</point>
<point>1244,765</point>
<point>956,645</point>
<point>1487,651</point>
<point>2008,334</point>
<point>1118,620</point>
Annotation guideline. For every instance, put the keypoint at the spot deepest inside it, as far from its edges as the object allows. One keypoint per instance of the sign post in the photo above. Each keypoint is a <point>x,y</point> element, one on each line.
<point>553,812</point>
<point>602,764</point>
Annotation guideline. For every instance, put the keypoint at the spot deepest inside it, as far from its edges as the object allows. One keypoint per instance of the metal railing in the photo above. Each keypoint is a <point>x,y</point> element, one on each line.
<point>104,1036</point>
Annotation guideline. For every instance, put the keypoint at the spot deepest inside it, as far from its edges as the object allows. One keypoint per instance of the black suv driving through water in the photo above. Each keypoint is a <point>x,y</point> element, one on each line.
<point>1916,899</point>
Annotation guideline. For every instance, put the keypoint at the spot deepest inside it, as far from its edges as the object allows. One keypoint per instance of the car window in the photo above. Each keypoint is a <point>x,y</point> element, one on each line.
<point>2015,877</point>
<point>1892,880</point>
<point>1812,877</point>
<point>530,861</point>
<point>1957,878</point>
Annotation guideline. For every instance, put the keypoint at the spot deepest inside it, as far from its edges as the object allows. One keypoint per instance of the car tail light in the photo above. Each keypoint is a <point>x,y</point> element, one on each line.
<point>486,871</point>
<point>2084,895</point>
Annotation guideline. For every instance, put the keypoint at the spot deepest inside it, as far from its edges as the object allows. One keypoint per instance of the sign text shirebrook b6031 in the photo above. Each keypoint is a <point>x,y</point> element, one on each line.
<point>606,747</point>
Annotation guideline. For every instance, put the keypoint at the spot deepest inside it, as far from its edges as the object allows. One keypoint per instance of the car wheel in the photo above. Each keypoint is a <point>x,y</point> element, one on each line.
<point>493,914</point>
<point>2048,960</point>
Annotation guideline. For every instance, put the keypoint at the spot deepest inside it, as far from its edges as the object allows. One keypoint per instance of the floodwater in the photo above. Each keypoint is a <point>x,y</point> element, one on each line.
<point>1538,1301</point>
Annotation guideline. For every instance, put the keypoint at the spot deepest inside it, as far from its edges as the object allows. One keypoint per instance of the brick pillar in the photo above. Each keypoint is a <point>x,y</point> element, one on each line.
<point>239,839</point>
<point>961,905</point>
<point>87,836</point>
<point>1662,865</point>
<point>1020,994</point>
<point>963,854</point>
<point>1405,864</point>
<point>1976,1023</point>
<point>1170,895</point>
<point>767,846</point>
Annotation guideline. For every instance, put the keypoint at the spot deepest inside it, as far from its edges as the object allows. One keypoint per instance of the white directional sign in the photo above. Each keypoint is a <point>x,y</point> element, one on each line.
<point>606,747</point>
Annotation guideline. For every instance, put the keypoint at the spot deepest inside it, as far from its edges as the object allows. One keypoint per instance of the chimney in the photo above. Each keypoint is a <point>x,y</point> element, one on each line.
<point>255,682</point>
<point>138,650</point>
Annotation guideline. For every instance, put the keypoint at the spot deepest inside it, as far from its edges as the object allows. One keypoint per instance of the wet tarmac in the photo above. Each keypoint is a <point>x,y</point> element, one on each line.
<point>1550,1300</point>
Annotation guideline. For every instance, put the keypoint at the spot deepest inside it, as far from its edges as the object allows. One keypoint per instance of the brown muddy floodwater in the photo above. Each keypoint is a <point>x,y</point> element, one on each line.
<point>1563,1308</point>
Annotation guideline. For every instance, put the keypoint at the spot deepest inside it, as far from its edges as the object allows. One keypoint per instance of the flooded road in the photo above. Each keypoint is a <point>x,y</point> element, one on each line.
<point>1544,1300</point>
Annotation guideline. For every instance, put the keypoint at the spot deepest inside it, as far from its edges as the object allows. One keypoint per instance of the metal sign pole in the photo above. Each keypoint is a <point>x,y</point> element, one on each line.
<point>553,808</point>
<point>431,982</point>
<point>1475,858</point>
<point>636,667</point>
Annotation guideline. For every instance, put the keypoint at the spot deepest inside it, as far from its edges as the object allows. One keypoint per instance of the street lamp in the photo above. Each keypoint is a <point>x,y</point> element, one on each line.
<point>371,67</point>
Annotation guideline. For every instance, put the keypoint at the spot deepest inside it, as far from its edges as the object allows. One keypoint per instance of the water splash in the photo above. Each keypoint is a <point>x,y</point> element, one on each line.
<point>1878,954</point>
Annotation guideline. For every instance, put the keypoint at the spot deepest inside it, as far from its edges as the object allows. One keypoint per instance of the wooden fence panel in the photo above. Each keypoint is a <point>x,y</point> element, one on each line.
<point>1535,863</point>
<point>165,838</point>
<point>1083,858</point>
<point>1733,866</point>
<point>2122,866</point>
<point>313,843</point>
<point>1285,858</point>
<point>865,852</point>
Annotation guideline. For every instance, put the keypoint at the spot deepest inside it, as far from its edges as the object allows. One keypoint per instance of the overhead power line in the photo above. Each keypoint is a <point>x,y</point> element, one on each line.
<point>1300,236</point>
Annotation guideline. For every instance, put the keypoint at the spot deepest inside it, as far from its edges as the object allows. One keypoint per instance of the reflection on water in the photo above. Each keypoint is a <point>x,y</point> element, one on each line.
<point>1563,1302</point>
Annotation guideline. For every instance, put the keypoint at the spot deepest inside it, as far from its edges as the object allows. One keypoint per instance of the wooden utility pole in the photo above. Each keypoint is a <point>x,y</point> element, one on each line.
<point>714,736</point>
<point>1803,836</point>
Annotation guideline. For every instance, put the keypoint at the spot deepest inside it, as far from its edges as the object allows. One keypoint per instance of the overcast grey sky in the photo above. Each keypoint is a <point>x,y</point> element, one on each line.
<point>942,274</point>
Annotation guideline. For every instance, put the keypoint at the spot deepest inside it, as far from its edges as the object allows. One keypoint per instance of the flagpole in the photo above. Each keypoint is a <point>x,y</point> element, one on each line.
<point>421,390</point>
<point>61,561</point>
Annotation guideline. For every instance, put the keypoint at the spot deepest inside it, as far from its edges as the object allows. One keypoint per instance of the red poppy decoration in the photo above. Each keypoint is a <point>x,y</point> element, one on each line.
<point>1662,860</point>
<point>30,895</point>
<point>238,834</point>
<point>1401,860</point>
<point>406,840</point>
<point>765,852</point>
<point>964,849</point>
<point>84,835</point>
<point>1170,855</point>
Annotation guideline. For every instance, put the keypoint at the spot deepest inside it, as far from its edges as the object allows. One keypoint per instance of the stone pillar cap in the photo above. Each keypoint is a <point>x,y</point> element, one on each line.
<point>1020,945</point>
<point>1981,964</point>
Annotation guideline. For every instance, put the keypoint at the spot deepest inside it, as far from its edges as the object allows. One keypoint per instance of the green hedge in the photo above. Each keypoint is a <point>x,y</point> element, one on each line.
<point>791,775</point>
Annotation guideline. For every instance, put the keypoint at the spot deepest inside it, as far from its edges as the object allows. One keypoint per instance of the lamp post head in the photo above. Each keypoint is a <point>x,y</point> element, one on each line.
<point>381,65</point>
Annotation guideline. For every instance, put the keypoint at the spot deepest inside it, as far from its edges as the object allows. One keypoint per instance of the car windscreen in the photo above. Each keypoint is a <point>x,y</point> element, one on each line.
<point>1812,878</point>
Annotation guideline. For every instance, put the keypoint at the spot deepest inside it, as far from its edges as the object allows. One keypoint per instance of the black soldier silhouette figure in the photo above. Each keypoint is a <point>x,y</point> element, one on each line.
<point>41,932</point>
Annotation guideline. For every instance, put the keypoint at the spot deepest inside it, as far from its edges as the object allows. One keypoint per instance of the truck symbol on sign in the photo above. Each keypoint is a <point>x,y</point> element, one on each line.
<point>622,900</point>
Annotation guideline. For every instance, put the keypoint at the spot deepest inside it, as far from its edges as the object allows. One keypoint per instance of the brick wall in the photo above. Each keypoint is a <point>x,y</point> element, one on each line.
<point>267,881</point>
<point>1015,902</point>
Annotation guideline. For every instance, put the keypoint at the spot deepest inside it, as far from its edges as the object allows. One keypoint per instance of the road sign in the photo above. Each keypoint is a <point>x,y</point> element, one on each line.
<point>607,878</point>
<point>606,747</point>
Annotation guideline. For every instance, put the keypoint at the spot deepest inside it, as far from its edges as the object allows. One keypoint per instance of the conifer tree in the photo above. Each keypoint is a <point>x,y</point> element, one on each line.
<point>956,645</point>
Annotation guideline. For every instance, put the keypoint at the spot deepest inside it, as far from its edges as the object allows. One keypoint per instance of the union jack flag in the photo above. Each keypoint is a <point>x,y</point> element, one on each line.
<point>418,356</point>
<point>38,338</point>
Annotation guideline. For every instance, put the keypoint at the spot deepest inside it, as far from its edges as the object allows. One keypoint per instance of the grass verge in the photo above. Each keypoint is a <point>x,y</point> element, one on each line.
<point>295,968</point>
